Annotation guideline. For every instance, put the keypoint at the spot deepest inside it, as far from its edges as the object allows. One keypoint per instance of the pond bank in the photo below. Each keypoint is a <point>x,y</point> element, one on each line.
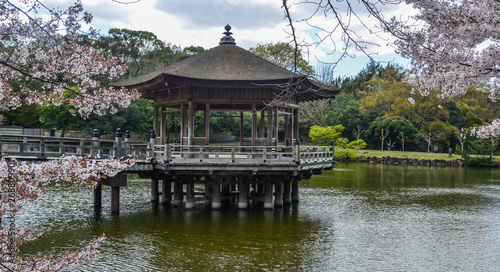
<point>410,161</point>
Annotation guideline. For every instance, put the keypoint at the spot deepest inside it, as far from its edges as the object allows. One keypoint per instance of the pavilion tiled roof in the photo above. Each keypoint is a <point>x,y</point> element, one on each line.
<point>226,63</point>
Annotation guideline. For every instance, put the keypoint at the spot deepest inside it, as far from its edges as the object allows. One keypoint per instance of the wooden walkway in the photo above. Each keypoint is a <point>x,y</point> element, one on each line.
<point>251,171</point>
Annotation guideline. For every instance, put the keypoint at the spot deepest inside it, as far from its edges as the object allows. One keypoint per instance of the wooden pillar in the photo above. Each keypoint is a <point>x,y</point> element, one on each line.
<point>183,123</point>
<point>296,124</point>
<point>295,191</point>
<point>287,130</point>
<point>243,194</point>
<point>216,199</point>
<point>154,190</point>
<point>278,194</point>
<point>269,126</point>
<point>189,195</point>
<point>190,122</point>
<point>115,199</point>
<point>276,124</point>
<point>178,193</point>
<point>207,124</point>
<point>254,124</point>
<point>241,127</point>
<point>166,191</point>
<point>98,196</point>
<point>155,118</point>
<point>163,125</point>
<point>262,124</point>
<point>287,197</point>
<point>268,198</point>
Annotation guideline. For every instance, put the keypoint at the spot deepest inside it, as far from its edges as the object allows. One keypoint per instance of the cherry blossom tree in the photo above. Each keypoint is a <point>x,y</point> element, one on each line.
<point>23,183</point>
<point>43,58</point>
<point>452,44</point>
<point>47,58</point>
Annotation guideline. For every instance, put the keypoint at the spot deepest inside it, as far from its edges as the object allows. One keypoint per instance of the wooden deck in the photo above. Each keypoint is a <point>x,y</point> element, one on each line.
<point>220,168</point>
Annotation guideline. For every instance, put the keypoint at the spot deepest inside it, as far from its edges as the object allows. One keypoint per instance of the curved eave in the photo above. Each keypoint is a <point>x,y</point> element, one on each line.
<point>311,90</point>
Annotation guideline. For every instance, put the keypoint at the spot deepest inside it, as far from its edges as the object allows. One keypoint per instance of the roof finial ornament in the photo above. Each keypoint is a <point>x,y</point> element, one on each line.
<point>227,39</point>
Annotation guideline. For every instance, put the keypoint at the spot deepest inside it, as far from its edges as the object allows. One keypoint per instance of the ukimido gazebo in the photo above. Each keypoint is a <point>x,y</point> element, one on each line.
<point>228,78</point>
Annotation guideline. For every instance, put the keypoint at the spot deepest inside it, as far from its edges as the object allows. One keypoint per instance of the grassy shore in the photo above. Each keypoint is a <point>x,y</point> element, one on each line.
<point>409,154</point>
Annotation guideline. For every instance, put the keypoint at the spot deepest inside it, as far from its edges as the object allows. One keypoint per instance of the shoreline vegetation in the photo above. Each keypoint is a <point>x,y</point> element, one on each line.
<point>411,158</point>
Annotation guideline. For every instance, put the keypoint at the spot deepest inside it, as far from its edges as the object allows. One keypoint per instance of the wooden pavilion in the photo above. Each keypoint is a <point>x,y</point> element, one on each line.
<point>227,78</point>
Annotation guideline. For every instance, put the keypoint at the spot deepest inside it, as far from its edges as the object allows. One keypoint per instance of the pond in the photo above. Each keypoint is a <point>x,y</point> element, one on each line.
<point>357,217</point>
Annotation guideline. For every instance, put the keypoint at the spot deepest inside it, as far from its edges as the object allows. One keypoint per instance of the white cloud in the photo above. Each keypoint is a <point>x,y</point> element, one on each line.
<point>201,23</point>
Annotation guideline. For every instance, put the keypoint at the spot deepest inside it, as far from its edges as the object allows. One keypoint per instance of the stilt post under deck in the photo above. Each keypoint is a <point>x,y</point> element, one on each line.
<point>98,196</point>
<point>115,199</point>
<point>216,196</point>
<point>154,190</point>
<point>243,194</point>
<point>189,195</point>
<point>115,183</point>
<point>278,194</point>
<point>166,191</point>
<point>287,197</point>
<point>268,198</point>
<point>295,191</point>
<point>178,193</point>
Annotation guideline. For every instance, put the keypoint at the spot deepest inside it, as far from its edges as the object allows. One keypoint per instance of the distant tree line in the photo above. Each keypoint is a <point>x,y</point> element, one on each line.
<point>374,106</point>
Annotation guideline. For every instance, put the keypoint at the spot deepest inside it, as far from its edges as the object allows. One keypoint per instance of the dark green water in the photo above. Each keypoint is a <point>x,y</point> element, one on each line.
<point>358,217</point>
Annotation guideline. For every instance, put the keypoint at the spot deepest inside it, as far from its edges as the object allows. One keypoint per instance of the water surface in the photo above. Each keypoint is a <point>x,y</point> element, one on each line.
<point>357,217</point>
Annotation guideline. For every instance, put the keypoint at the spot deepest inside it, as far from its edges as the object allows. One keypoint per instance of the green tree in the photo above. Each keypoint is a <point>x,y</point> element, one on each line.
<point>325,135</point>
<point>142,51</point>
<point>344,110</point>
<point>387,130</point>
<point>27,116</point>
<point>284,55</point>
<point>137,118</point>
<point>60,118</point>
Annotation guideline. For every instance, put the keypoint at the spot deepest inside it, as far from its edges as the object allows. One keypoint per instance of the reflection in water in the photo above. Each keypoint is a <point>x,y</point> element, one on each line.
<point>358,217</point>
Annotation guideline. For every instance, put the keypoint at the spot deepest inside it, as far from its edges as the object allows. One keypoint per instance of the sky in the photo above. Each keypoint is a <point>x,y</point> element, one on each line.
<point>201,23</point>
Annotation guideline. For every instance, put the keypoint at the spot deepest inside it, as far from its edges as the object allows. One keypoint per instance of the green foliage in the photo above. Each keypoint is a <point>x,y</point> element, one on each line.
<point>142,51</point>
<point>27,116</point>
<point>477,152</point>
<point>358,144</point>
<point>344,111</point>
<point>284,55</point>
<point>138,118</point>
<point>392,127</point>
<point>343,148</point>
<point>60,118</point>
<point>325,135</point>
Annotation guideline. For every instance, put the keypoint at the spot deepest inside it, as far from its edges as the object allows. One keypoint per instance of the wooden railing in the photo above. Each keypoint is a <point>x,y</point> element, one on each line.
<point>46,146</point>
<point>43,147</point>
<point>231,153</point>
